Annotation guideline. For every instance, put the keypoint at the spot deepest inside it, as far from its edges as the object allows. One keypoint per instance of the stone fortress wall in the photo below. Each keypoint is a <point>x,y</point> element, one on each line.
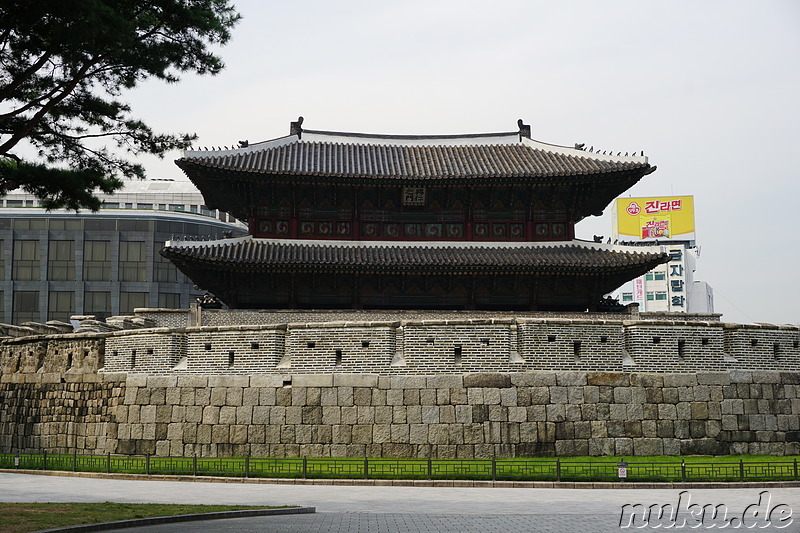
<point>461,386</point>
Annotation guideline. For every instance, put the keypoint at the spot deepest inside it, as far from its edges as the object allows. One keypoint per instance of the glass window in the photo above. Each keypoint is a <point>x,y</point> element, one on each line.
<point>193,208</point>
<point>65,224</point>
<point>97,261</point>
<point>61,261</point>
<point>110,205</point>
<point>174,228</point>
<point>661,295</point>
<point>61,305</point>
<point>651,296</point>
<point>5,223</point>
<point>132,265</point>
<point>169,301</point>
<point>649,276</point>
<point>26,307</point>
<point>128,205</point>
<point>177,207</point>
<point>162,207</point>
<point>30,223</point>
<point>128,301</point>
<point>26,260</point>
<point>97,303</point>
<point>660,275</point>
<point>100,224</point>
<point>14,203</point>
<point>627,296</point>
<point>144,206</point>
<point>135,225</point>
<point>163,269</point>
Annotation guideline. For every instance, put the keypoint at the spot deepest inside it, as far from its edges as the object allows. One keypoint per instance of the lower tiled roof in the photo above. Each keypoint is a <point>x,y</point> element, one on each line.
<point>266,254</point>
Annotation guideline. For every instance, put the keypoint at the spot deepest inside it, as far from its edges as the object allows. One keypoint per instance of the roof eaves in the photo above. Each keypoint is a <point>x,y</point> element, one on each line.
<point>576,152</point>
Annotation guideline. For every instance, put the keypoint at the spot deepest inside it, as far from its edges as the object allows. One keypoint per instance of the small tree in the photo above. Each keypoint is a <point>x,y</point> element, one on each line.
<point>64,65</point>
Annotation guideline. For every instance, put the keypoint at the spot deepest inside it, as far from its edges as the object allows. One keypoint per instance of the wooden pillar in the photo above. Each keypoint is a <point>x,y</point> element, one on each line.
<point>468,234</point>
<point>293,229</point>
<point>472,298</point>
<point>356,292</point>
<point>594,296</point>
<point>356,231</point>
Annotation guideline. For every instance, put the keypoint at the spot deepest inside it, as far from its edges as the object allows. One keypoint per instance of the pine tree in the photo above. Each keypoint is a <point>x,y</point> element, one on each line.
<point>63,68</point>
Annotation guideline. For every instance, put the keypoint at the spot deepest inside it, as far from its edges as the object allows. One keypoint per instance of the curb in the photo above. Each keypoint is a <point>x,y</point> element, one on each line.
<point>156,520</point>
<point>423,482</point>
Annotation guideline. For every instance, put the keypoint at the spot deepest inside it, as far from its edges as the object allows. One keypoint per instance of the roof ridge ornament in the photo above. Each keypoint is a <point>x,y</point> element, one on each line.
<point>296,128</point>
<point>524,130</point>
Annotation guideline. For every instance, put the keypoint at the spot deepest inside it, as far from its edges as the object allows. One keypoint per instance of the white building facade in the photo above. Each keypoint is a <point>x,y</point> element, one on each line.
<point>670,287</point>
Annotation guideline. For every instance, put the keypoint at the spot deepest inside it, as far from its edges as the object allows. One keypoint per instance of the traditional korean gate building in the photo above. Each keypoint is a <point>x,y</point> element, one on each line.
<point>352,220</point>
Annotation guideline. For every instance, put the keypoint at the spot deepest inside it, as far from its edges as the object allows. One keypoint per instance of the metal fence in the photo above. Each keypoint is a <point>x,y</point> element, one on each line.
<point>442,469</point>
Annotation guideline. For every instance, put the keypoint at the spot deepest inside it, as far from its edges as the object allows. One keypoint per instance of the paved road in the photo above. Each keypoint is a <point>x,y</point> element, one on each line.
<point>397,523</point>
<point>392,509</point>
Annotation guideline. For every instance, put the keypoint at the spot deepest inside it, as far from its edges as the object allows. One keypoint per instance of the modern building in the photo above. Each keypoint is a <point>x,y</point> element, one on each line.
<point>662,224</point>
<point>353,220</point>
<point>55,264</point>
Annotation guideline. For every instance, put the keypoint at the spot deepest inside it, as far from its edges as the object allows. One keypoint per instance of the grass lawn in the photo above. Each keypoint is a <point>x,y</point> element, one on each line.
<point>25,517</point>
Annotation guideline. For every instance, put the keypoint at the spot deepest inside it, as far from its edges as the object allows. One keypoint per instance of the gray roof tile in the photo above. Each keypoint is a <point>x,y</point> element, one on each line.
<point>345,255</point>
<point>434,158</point>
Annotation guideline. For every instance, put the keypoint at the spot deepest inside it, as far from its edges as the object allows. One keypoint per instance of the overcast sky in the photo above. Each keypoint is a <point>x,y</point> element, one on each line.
<point>709,90</point>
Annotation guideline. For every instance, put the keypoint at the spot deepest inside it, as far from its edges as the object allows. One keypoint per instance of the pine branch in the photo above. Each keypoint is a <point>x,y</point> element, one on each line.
<point>8,90</point>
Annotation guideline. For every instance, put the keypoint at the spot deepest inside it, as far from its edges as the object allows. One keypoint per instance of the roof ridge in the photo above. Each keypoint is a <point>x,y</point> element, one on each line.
<point>411,136</point>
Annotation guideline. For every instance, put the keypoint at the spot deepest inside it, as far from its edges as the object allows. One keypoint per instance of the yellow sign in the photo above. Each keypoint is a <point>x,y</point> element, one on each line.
<point>667,218</point>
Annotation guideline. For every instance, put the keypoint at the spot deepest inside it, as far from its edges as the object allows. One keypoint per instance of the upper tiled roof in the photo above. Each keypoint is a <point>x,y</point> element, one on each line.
<point>250,253</point>
<point>330,154</point>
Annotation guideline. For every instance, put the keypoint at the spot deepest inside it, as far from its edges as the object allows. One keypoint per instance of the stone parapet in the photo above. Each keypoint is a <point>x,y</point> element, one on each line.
<point>502,344</point>
<point>196,316</point>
